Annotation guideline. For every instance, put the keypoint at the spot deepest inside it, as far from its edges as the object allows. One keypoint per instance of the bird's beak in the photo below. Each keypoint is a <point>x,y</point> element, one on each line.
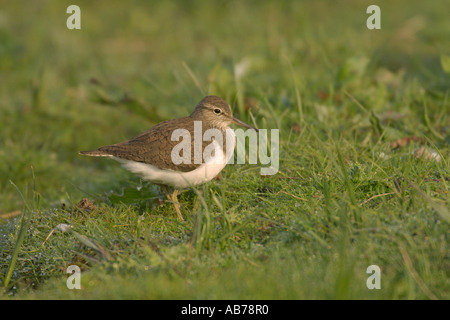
<point>242,123</point>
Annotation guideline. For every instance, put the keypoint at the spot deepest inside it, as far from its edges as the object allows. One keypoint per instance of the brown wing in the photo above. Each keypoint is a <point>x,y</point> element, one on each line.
<point>154,146</point>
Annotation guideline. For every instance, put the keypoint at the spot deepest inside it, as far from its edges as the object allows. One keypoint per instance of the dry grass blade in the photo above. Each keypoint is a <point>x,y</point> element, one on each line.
<point>376,196</point>
<point>11,214</point>
<point>296,197</point>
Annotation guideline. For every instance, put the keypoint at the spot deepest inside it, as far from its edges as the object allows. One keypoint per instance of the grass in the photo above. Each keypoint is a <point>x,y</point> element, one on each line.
<point>364,146</point>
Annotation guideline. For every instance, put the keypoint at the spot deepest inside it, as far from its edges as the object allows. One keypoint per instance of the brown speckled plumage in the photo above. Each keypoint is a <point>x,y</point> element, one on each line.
<point>154,145</point>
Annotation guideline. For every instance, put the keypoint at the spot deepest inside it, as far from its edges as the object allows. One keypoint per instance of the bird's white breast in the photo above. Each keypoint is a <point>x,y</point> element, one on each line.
<point>179,180</point>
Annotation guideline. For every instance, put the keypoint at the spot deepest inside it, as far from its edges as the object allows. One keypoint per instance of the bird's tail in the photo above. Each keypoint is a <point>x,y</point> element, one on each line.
<point>95,153</point>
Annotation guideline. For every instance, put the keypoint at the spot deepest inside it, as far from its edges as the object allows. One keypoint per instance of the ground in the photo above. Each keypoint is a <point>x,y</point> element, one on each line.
<point>364,144</point>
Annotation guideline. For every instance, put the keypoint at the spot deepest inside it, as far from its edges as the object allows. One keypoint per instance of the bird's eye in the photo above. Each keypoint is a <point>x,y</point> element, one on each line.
<point>217,111</point>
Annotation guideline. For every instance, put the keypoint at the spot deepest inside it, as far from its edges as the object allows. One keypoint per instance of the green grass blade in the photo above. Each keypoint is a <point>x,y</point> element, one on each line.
<point>19,241</point>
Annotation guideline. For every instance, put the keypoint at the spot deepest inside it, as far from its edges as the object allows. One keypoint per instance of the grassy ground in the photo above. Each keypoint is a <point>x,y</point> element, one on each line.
<point>364,146</point>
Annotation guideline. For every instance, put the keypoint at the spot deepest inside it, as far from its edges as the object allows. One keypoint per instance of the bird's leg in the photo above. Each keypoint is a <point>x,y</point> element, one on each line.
<point>174,199</point>
<point>177,204</point>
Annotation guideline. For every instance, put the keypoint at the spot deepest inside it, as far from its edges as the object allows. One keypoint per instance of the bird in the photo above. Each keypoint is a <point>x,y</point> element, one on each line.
<point>157,156</point>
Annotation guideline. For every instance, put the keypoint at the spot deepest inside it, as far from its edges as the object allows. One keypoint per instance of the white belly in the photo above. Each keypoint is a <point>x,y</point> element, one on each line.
<point>180,180</point>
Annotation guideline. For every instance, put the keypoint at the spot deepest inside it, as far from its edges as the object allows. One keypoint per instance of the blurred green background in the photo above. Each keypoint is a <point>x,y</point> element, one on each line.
<point>134,64</point>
